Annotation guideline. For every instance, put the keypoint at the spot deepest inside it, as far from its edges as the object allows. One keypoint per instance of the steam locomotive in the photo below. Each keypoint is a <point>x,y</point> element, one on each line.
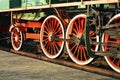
<point>83,29</point>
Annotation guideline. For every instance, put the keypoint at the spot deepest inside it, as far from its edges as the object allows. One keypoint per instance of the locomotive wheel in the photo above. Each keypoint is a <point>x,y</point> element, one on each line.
<point>113,62</point>
<point>78,53</point>
<point>51,28</point>
<point>16,38</point>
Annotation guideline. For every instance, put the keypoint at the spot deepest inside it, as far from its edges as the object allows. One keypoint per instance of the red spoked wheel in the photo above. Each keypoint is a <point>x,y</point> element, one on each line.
<point>112,61</point>
<point>52,28</point>
<point>16,38</point>
<point>78,53</point>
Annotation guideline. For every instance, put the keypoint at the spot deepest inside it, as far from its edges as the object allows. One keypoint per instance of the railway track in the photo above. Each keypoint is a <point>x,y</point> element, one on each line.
<point>93,68</point>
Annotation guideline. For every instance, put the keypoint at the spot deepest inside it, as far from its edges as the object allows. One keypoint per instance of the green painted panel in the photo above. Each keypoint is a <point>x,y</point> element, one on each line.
<point>82,7</point>
<point>62,1</point>
<point>4,4</point>
<point>33,2</point>
<point>15,3</point>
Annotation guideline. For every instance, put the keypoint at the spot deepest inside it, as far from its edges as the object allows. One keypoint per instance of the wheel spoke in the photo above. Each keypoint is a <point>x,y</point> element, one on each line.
<point>46,30</point>
<point>78,53</point>
<point>54,50</point>
<point>58,32</point>
<point>76,27</point>
<point>56,29</point>
<point>75,31</point>
<point>57,47</point>
<point>45,40</point>
<point>81,25</point>
<point>74,46</point>
<point>75,51</point>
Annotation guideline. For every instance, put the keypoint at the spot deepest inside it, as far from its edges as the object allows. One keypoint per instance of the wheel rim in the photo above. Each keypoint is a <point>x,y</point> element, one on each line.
<point>16,38</point>
<point>113,62</point>
<point>51,26</point>
<point>78,53</point>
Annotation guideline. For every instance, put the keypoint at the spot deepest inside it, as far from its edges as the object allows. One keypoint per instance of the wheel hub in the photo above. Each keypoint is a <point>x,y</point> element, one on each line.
<point>79,35</point>
<point>82,42</point>
<point>78,40</point>
<point>16,38</point>
<point>50,36</point>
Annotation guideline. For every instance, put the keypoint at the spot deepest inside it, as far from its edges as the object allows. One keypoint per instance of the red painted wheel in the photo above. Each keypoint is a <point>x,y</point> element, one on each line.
<point>51,27</point>
<point>16,38</point>
<point>112,61</point>
<point>78,53</point>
